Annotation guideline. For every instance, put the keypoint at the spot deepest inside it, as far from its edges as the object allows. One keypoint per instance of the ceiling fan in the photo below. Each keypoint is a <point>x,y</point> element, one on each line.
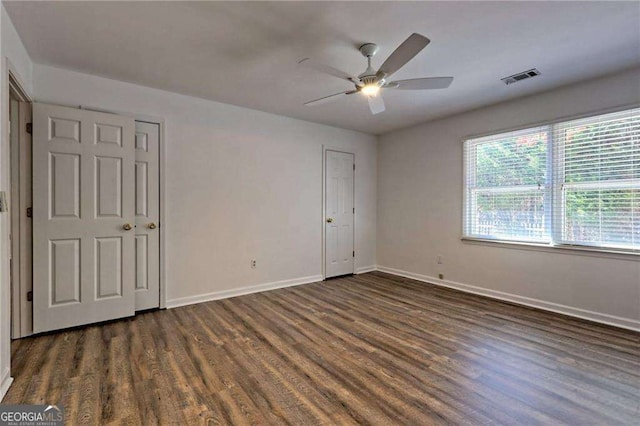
<point>370,82</point>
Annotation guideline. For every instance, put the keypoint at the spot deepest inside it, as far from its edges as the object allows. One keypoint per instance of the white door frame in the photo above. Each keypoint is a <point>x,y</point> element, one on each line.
<point>21,225</point>
<point>6,308</point>
<point>163,222</point>
<point>323,215</point>
<point>17,302</point>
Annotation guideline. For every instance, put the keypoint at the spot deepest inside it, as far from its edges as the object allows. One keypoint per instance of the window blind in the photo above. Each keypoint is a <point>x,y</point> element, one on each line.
<point>506,186</point>
<point>574,183</point>
<point>596,168</point>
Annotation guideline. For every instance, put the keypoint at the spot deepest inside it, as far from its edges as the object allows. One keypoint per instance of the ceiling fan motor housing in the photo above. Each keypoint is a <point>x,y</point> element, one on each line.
<point>368,79</point>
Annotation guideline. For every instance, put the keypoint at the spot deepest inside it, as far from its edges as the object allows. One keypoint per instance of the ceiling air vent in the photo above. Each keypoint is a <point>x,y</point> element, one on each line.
<point>520,76</point>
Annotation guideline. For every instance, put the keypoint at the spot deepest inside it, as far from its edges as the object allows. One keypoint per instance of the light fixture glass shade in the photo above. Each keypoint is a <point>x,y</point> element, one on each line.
<point>370,89</point>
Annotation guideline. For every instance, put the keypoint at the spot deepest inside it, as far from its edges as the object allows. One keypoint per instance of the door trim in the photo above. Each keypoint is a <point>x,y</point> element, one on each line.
<point>21,226</point>
<point>323,214</point>
<point>160,121</point>
<point>11,80</point>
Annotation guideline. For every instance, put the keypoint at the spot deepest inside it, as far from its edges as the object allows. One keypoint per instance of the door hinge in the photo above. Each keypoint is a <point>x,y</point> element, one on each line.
<point>354,166</point>
<point>354,210</point>
<point>29,212</point>
<point>30,296</point>
<point>29,128</point>
<point>354,253</point>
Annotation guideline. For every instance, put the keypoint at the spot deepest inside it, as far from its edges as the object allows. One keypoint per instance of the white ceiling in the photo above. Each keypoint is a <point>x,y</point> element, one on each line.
<point>246,53</point>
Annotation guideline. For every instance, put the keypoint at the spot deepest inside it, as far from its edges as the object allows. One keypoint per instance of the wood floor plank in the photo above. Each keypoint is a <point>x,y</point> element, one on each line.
<point>366,349</point>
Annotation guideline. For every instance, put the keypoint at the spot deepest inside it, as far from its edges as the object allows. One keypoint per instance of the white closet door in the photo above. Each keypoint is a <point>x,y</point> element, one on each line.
<point>339,213</point>
<point>83,217</point>
<point>147,207</point>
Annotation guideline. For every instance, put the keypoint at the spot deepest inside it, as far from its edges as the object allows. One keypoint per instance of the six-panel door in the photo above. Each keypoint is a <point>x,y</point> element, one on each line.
<point>83,205</point>
<point>147,210</point>
<point>339,213</point>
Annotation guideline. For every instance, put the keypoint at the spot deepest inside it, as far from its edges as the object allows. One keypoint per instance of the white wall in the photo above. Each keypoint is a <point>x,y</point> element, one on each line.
<point>11,51</point>
<point>420,212</point>
<point>241,184</point>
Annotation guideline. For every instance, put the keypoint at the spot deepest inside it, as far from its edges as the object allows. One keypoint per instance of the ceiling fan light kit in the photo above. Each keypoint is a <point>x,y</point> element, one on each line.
<point>370,82</point>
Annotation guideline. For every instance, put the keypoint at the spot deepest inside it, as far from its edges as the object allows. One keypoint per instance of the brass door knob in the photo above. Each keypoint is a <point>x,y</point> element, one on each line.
<point>329,220</point>
<point>151,225</point>
<point>127,227</point>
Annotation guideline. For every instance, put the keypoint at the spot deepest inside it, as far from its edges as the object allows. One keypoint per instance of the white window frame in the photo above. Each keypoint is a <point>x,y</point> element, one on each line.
<point>554,192</point>
<point>471,190</point>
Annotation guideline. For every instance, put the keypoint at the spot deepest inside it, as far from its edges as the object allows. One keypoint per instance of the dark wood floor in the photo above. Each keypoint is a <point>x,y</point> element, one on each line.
<point>373,348</point>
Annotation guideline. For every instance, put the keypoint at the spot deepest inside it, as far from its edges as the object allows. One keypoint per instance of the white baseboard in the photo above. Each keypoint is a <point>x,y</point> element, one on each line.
<point>5,383</point>
<point>225,294</point>
<point>621,322</point>
<point>365,269</point>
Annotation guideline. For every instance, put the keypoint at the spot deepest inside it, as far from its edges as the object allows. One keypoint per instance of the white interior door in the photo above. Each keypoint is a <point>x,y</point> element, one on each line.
<point>147,205</point>
<point>339,213</point>
<point>83,217</point>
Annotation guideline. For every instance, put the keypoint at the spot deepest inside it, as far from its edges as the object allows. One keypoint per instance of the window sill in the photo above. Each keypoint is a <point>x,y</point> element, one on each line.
<point>559,249</point>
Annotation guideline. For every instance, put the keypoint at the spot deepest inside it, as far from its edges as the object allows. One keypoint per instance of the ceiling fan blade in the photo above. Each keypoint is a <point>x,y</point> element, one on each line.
<point>420,83</point>
<point>376,104</point>
<point>403,54</point>
<point>329,98</point>
<point>328,69</point>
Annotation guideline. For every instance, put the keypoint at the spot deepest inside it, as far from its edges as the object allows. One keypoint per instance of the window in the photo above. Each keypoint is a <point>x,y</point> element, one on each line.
<point>569,183</point>
<point>507,185</point>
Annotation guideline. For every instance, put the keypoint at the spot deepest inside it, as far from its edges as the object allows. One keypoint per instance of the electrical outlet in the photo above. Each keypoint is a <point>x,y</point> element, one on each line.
<point>439,259</point>
<point>254,264</point>
<point>441,276</point>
